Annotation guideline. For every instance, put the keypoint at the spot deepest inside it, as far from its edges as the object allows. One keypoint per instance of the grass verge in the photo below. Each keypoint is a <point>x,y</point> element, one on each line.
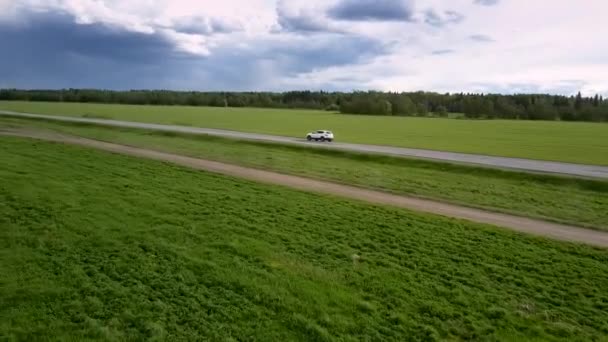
<point>96,246</point>
<point>567,200</point>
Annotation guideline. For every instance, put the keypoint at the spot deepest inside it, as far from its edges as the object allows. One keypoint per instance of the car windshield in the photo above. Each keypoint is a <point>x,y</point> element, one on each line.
<point>320,131</point>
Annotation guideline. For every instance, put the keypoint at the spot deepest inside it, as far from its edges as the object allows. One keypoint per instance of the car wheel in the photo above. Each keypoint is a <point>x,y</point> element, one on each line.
<point>329,140</point>
<point>309,138</point>
<point>322,138</point>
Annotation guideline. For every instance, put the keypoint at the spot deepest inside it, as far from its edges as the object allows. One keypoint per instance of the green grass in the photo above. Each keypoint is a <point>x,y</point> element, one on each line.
<point>561,141</point>
<point>96,246</point>
<point>567,200</point>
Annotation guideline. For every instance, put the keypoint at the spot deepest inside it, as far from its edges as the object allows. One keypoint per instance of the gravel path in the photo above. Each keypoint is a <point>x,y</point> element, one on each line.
<point>529,165</point>
<point>520,224</point>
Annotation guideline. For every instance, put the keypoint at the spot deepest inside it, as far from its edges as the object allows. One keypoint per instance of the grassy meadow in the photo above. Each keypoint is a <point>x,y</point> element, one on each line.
<point>568,200</point>
<point>584,143</point>
<point>97,246</point>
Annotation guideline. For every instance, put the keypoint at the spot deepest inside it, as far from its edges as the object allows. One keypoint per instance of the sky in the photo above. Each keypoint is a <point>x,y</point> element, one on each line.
<point>490,46</point>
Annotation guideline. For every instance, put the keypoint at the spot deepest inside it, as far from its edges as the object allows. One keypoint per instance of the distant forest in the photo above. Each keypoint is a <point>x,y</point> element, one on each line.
<point>483,106</point>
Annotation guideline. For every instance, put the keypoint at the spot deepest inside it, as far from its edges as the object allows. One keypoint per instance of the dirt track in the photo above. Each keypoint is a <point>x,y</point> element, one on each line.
<point>521,224</point>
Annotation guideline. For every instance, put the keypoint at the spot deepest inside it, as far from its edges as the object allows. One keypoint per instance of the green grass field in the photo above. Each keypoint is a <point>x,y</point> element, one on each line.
<point>568,200</point>
<point>96,246</point>
<point>585,143</point>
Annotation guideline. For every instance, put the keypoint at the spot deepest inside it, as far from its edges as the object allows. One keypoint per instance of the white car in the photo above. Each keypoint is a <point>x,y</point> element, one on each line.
<point>320,136</point>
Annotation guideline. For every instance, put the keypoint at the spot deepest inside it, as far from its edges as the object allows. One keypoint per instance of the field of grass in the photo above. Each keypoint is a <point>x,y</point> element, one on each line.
<point>574,201</point>
<point>584,143</point>
<point>98,246</point>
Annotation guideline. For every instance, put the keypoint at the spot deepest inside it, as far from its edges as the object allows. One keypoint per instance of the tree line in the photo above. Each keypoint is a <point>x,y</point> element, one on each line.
<point>487,106</point>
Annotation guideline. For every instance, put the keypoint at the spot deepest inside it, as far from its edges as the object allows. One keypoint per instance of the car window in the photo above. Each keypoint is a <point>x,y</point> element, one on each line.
<point>320,132</point>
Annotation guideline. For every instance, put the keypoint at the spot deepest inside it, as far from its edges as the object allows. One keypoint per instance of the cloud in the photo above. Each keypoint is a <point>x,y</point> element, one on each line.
<point>53,51</point>
<point>373,10</point>
<point>305,56</point>
<point>189,34</point>
<point>94,12</point>
<point>440,19</point>
<point>275,64</point>
<point>559,87</point>
<point>299,44</point>
<point>442,52</point>
<point>61,53</point>
<point>481,38</point>
<point>204,25</point>
<point>301,20</point>
<point>486,2</point>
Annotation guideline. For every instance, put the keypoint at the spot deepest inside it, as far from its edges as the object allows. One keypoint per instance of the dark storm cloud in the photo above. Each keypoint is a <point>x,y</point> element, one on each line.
<point>436,19</point>
<point>290,58</point>
<point>52,51</point>
<point>486,2</point>
<point>268,64</point>
<point>303,57</point>
<point>301,22</point>
<point>373,10</point>
<point>481,38</point>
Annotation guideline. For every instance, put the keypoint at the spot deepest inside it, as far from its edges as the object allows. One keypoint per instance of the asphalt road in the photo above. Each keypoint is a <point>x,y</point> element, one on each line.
<point>516,223</point>
<point>528,165</point>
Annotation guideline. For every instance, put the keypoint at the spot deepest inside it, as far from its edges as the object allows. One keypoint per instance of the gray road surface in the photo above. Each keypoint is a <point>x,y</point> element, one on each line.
<point>528,165</point>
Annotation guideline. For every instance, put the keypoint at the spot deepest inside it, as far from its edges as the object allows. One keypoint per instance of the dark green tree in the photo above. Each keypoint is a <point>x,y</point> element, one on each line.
<point>403,105</point>
<point>578,101</point>
<point>441,111</point>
